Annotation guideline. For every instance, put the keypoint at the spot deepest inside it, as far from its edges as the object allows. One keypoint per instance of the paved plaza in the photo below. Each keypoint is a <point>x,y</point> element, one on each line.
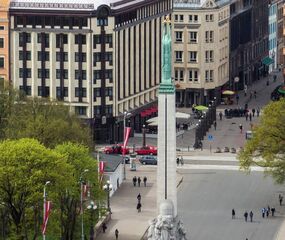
<point>212,185</point>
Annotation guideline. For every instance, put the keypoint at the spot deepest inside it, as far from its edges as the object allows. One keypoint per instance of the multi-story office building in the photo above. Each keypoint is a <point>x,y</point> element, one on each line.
<point>249,58</point>
<point>200,50</point>
<point>280,38</point>
<point>100,57</point>
<point>272,29</point>
<point>4,42</point>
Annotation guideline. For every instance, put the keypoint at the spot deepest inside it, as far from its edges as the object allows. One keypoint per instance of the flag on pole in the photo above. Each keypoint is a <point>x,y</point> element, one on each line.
<point>127,135</point>
<point>101,167</point>
<point>48,209</point>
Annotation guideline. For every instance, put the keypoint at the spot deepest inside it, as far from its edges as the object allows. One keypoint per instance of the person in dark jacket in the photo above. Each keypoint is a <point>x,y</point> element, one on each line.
<point>139,181</point>
<point>139,207</point>
<point>245,216</point>
<point>104,227</point>
<point>117,234</point>
<point>135,181</point>
<point>144,180</point>
<point>233,214</point>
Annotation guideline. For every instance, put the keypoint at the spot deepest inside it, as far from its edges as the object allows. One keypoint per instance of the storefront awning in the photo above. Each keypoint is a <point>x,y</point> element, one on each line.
<point>267,61</point>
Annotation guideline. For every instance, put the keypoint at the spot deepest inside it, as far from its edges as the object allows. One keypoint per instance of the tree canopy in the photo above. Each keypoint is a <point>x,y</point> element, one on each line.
<point>50,122</point>
<point>267,147</point>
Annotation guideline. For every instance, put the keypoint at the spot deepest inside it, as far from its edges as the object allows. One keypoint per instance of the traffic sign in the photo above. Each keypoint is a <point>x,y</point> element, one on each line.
<point>210,137</point>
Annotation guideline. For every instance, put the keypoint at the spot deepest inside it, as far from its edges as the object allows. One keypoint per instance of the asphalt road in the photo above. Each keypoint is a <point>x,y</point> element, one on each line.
<point>206,198</point>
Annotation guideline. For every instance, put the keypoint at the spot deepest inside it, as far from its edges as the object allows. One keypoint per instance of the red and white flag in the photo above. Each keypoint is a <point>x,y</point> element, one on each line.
<point>101,167</point>
<point>48,209</point>
<point>127,135</point>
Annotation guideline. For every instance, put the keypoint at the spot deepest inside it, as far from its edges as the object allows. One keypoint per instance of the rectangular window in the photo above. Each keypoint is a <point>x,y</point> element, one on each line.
<point>60,41</point>
<point>2,28</point>
<point>193,18</point>
<point>109,109</point>
<point>109,39</point>
<point>193,75</point>
<point>97,110</point>
<point>176,18</point>
<point>83,39</point>
<point>2,62</point>
<point>109,75</point>
<point>178,56</point>
<point>58,92</point>
<point>77,57</point>
<point>192,56</point>
<point>209,17</point>
<point>209,36</point>
<point>96,58</point>
<point>209,56</point>
<point>178,36</point>
<point>109,91</point>
<point>96,75</point>
<point>209,75</point>
<point>81,111</point>
<point>193,37</point>
<point>1,42</point>
<point>179,75</point>
<point>83,74</point>
<point>28,91</point>
<point>109,57</point>
<point>97,92</point>
<point>181,18</point>
<point>102,22</point>
<point>43,56</point>
<point>81,93</point>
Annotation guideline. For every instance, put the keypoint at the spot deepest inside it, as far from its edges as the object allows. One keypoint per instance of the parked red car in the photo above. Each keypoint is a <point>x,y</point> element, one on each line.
<point>147,150</point>
<point>115,149</point>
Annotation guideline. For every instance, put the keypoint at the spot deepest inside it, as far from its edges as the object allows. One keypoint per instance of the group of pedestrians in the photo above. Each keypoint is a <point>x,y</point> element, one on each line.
<point>139,180</point>
<point>250,114</point>
<point>266,211</point>
<point>246,215</point>
<point>179,161</point>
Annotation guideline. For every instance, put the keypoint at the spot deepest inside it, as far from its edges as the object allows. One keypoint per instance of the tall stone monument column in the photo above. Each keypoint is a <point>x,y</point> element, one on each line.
<point>166,168</point>
<point>167,225</point>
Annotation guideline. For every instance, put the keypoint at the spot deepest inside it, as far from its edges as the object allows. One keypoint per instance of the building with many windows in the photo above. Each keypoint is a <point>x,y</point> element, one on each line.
<point>4,41</point>
<point>280,38</point>
<point>102,58</point>
<point>273,32</point>
<point>249,58</point>
<point>200,50</point>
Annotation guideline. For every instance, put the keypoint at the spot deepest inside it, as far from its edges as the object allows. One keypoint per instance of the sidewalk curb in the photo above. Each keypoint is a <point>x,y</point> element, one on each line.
<point>281,232</point>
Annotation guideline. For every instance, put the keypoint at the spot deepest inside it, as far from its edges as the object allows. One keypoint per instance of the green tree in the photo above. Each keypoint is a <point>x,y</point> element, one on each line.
<point>267,147</point>
<point>25,166</point>
<point>80,159</point>
<point>50,122</point>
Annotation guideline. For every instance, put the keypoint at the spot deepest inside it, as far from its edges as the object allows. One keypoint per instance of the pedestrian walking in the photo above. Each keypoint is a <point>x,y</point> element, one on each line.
<point>181,161</point>
<point>273,211</point>
<point>280,199</point>
<point>250,96</point>
<point>233,214</point>
<point>215,125</point>
<point>246,106</point>
<point>257,112</point>
<point>117,234</point>
<point>240,127</point>
<point>267,212</point>
<point>139,207</point>
<point>253,112</point>
<point>237,98</point>
<point>251,215</point>
<point>245,216</point>
<point>139,181</point>
<point>255,94</point>
<point>104,227</point>
<point>177,161</point>
<point>139,197</point>
<point>263,212</point>
<point>221,116</point>
<point>245,90</point>
<point>250,117</point>
<point>246,116</point>
<point>144,180</point>
<point>135,181</point>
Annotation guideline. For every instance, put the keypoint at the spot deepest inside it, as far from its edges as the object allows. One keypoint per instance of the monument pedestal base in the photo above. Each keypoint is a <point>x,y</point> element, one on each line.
<point>165,227</point>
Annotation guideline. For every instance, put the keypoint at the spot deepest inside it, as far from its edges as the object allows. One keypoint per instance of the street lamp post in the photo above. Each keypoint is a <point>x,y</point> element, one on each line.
<point>92,207</point>
<point>126,114</point>
<point>108,188</point>
<point>81,203</point>
<point>45,196</point>
<point>143,133</point>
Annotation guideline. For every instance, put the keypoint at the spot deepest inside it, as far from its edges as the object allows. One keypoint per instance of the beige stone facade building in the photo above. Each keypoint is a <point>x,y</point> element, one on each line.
<point>200,50</point>
<point>4,42</point>
<point>100,57</point>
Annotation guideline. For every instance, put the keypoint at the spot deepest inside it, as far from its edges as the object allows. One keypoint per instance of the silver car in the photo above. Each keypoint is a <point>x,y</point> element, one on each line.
<point>148,160</point>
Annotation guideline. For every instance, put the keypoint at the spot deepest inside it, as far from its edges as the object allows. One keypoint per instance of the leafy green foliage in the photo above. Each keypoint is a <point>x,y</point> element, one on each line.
<point>267,147</point>
<point>25,166</point>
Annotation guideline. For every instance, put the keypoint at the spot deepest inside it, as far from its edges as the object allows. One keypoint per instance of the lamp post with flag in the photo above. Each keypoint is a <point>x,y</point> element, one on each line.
<point>46,211</point>
<point>81,203</point>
